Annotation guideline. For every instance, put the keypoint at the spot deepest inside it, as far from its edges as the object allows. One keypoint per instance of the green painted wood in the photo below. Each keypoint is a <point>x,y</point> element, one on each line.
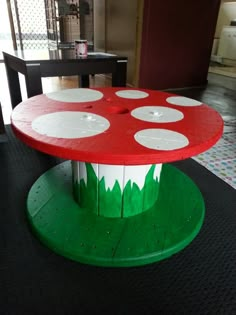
<point>96,198</point>
<point>71,231</point>
<point>108,197</point>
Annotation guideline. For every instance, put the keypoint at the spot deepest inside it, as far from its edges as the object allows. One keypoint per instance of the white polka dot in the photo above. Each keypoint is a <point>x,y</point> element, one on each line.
<point>158,114</point>
<point>75,95</point>
<point>70,125</point>
<point>182,101</point>
<point>133,94</point>
<point>161,139</point>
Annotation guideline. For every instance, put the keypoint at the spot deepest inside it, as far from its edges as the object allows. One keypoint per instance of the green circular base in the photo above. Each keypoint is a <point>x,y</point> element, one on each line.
<point>80,235</point>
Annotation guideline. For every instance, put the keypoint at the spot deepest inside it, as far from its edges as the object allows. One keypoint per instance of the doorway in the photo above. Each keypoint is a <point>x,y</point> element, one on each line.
<point>223,57</point>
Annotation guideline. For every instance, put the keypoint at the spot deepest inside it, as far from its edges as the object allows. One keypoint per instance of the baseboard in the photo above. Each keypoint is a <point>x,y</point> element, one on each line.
<point>222,80</point>
<point>187,87</point>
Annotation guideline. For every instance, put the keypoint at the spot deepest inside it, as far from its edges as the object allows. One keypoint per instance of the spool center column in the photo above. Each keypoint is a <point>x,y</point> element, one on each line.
<point>115,190</point>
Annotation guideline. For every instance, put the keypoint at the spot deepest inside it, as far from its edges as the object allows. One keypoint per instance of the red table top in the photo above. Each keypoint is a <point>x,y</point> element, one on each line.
<point>117,125</point>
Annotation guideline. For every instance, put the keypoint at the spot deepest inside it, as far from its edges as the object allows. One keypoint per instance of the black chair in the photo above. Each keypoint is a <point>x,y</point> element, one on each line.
<point>2,128</point>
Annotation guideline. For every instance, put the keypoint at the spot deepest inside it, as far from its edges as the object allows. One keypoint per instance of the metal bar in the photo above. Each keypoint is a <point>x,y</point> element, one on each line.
<point>18,24</point>
<point>13,33</point>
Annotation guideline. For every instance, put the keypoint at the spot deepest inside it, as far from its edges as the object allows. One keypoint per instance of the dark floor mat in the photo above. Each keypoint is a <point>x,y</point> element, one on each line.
<point>201,279</point>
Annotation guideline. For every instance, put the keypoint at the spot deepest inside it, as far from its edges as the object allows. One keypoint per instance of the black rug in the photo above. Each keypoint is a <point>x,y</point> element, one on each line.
<point>201,279</point>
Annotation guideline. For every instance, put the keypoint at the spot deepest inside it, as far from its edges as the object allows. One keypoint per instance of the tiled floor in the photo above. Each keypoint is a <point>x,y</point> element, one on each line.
<point>221,159</point>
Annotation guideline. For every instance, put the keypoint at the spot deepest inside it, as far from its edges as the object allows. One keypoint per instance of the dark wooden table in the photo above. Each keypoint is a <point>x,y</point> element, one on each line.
<point>35,64</point>
<point>2,128</point>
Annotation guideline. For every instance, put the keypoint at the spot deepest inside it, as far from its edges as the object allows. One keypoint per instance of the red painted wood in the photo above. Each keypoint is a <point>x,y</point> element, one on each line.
<point>202,125</point>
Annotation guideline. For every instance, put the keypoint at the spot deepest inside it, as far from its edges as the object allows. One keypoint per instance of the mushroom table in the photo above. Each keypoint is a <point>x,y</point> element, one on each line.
<point>117,201</point>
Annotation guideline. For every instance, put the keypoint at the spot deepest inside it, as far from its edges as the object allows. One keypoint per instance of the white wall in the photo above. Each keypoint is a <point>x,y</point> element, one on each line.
<point>227,13</point>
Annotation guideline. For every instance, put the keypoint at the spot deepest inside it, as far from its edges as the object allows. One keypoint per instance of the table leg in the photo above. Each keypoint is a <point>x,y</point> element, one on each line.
<point>119,77</point>
<point>33,80</point>
<point>2,128</point>
<point>84,81</point>
<point>13,83</point>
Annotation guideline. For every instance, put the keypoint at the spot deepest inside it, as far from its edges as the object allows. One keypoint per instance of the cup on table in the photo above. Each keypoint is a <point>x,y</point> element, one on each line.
<point>81,48</point>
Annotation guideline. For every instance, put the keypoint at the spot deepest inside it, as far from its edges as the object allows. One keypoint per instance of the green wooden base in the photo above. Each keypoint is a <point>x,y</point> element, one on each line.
<point>80,235</point>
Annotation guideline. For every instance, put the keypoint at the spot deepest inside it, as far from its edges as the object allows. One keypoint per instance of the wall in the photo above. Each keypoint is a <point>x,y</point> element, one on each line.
<point>86,17</point>
<point>120,24</point>
<point>99,25</point>
<point>176,42</point>
<point>121,19</point>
